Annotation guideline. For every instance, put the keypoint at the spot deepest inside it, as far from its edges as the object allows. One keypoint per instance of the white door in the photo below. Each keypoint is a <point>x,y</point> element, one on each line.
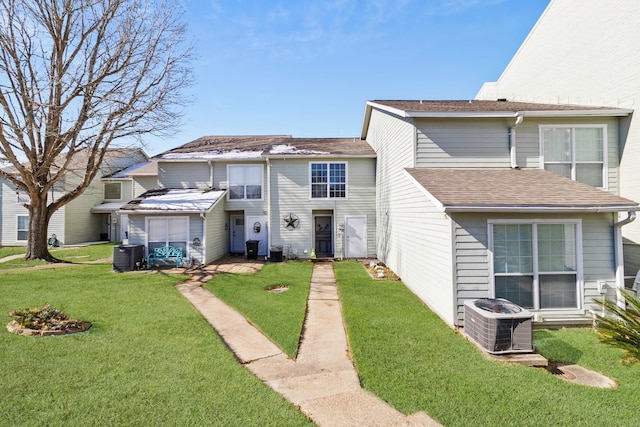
<point>356,236</point>
<point>237,234</point>
<point>256,228</point>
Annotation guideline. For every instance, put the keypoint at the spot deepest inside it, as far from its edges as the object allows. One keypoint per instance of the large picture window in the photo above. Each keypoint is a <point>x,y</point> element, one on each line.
<point>328,180</point>
<point>245,182</point>
<point>23,227</point>
<point>576,152</point>
<point>536,265</point>
<point>168,232</point>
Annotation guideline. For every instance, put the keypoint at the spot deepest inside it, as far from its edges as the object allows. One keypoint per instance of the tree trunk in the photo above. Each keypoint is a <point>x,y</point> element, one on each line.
<point>37,235</point>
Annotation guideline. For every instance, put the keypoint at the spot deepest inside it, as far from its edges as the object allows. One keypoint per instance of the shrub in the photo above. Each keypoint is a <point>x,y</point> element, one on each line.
<point>622,328</point>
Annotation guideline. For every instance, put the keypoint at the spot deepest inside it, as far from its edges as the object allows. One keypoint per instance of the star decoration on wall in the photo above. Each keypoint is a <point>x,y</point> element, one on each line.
<point>290,221</point>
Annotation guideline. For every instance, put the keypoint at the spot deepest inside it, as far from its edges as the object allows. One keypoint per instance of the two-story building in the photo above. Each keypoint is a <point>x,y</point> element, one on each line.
<point>74,222</point>
<point>305,196</point>
<point>500,199</point>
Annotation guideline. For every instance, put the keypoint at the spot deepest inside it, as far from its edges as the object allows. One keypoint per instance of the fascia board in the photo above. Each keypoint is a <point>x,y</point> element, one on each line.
<point>540,209</point>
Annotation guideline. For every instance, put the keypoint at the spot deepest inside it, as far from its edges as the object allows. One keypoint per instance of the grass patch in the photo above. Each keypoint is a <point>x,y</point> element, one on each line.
<point>279,315</point>
<point>12,250</point>
<point>407,356</point>
<point>78,254</point>
<point>149,359</point>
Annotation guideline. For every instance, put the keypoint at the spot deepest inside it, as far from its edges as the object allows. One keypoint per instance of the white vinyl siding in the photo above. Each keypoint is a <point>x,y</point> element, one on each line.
<point>290,195</point>
<point>578,152</point>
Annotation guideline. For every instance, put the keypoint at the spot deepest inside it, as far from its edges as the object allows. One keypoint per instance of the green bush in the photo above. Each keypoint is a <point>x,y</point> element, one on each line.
<point>622,327</point>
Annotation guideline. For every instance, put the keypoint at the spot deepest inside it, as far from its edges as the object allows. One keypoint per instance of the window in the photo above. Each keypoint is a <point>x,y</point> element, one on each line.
<point>328,180</point>
<point>23,227</point>
<point>576,152</point>
<point>536,265</point>
<point>112,190</point>
<point>245,182</point>
<point>168,232</point>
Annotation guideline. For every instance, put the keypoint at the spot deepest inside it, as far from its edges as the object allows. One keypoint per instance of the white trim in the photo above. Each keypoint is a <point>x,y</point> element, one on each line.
<point>18,229</point>
<point>186,255</point>
<point>104,190</point>
<point>366,236</point>
<point>536,289</point>
<point>244,165</point>
<point>346,180</point>
<point>605,148</point>
<point>433,199</point>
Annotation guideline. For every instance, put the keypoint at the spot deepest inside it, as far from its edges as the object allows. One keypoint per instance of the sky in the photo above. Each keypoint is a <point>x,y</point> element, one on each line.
<point>307,67</point>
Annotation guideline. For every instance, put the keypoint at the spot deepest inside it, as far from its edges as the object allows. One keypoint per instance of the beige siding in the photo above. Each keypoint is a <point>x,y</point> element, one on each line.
<point>472,257</point>
<point>80,224</point>
<point>144,183</point>
<point>290,193</point>
<point>184,174</point>
<point>217,238</point>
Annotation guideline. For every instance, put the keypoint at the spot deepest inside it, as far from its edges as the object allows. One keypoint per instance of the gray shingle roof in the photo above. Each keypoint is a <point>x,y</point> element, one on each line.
<point>471,106</point>
<point>271,145</point>
<point>514,190</point>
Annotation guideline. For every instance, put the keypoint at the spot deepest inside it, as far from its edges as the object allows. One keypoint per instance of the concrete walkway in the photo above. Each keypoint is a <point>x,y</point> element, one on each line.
<point>322,382</point>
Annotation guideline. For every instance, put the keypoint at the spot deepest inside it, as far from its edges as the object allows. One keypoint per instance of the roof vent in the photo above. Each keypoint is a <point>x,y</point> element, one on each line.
<point>502,99</point>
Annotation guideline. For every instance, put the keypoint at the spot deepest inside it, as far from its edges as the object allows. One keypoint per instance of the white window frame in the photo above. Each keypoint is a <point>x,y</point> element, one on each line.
<point>536,288</point>
<point>18,229</point>
<point>110,183</point>
<point>605,145</point>
<point>329,197</point>
<point>167,218</point>
<point>244,184</point>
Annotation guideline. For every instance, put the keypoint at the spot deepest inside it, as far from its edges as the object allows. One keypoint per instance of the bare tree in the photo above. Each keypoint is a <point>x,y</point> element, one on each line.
<point>76,76</point>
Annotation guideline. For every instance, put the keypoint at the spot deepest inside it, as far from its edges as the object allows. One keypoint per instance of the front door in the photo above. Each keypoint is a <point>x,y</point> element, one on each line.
<point>323,236</point>
<point>237,234</point>
<point>356,236</point>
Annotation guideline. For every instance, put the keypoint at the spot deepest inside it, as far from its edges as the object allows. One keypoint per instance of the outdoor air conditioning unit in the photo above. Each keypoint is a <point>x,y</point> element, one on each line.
<point>498,325</point>
<point>127,257</point>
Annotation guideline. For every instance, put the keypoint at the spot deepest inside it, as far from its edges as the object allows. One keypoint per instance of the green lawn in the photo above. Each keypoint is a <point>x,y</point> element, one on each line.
<point>149,359</point>
<point>78,254</point>
<point>279,315</point>
<point>406,355</point>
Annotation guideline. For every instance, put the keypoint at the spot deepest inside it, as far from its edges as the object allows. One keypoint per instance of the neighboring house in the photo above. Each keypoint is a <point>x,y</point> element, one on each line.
<point>471,202</point>
<point>585,52</point>
<point>73,222</point>
<point>119,189</point>
<point>301,195</point>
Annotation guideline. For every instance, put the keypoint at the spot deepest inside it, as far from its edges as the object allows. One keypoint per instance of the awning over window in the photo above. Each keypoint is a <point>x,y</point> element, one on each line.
<point>107,208</point>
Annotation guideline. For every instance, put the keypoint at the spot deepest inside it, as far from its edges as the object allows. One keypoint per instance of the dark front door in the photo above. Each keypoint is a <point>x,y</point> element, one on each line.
<point>323,236</point>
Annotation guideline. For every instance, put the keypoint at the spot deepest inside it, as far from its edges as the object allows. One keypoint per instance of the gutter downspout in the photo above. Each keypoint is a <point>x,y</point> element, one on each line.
<point>269,207</point>
<point>203,245</point>
<point>210,173</point>
<point>631,216</point>
<point>512,141</point>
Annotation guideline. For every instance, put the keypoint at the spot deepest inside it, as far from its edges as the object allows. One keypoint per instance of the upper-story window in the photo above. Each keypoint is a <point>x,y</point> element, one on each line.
<point>578,152</point>
<point>112,190</point>
<point>245,182</point>
<point>328,180</point>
